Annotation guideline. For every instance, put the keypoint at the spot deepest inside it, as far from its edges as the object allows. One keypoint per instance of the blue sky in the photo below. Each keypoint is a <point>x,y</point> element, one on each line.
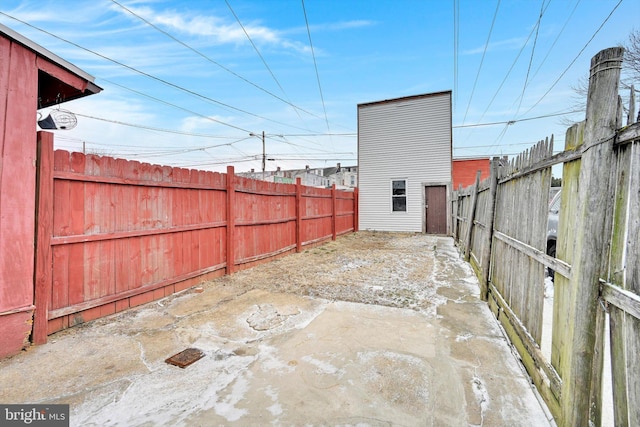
<point>186,82</point>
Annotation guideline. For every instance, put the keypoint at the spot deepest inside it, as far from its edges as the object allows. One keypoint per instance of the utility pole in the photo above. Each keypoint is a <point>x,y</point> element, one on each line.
<point>264,153</point>
<point>264,156</point>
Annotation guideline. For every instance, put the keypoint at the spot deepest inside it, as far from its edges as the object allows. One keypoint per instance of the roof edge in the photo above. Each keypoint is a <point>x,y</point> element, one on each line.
<point>47,54</point>
<point>406,98</point>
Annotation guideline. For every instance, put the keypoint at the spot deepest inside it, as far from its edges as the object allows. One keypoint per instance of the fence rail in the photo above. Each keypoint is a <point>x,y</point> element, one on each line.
<point>501,226</point>
<point>112,233</point>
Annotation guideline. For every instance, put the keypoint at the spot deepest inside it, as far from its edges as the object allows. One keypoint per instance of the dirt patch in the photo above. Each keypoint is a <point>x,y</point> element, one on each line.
<point>389,269</point>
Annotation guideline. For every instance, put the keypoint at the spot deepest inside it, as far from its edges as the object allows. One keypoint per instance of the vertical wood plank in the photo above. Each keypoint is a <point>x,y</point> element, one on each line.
<point>356,210</point>
<point>333,212</point>
<point>77,192</point>
<point>44,224</point>
<point>584,282</point>
<point>625,272</point>
<point>632,283</point>
<point>231,201</point>
<point>122,205</point>
<point>564,247</point>
<point>298,214</point>
<point>61,226</point>
<point>618,366</point>
<point>472,211</point>
<point>488,236</point>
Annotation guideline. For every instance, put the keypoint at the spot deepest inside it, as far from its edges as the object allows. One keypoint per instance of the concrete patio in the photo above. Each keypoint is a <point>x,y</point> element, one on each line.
<point>291,357</point>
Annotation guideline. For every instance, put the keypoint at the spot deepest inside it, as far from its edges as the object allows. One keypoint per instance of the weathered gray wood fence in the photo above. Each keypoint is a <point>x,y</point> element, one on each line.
<point>501,226</point>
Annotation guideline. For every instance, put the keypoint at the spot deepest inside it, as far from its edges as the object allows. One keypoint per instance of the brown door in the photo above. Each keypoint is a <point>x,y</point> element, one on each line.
<point>435,200</point>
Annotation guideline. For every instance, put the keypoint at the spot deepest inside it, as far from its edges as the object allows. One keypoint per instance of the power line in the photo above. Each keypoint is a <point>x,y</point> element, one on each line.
<point>262,58</point>
<point>533,49</point>
<point>320,134</point>
<point>456,44</point>
<point>255,48</point>
<point>491,146</point>
<point>155,129</point>
<point>315,64</point>
<point>495,15</point>
<point>576,58</point>
<point>213,61</point>
<point>273,76</point>
<point>510,122</point>
<point>158,79</point>
<point>515,61</point>
<point>170,104</point>
<point>556,39</point>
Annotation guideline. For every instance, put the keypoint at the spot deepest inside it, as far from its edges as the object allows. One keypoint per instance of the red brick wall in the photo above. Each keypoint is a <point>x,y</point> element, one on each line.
<point>464,171</point>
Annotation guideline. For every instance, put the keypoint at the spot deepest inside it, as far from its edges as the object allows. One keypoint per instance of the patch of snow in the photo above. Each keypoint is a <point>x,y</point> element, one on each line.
<point>323,367</point>
<point>548,287</point>
<point>464,337</point>
<point>270,362</point>
<point>227,407</point>
<point>276,408</point>
<point>481,394</point>
<point>148,399</point>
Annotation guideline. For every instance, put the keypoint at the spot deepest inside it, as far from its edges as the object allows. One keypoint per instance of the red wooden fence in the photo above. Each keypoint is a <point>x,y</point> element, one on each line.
<point>113,234</point>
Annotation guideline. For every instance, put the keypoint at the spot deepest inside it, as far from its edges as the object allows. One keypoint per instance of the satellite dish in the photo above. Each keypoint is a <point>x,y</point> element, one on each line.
<point>58,119</point>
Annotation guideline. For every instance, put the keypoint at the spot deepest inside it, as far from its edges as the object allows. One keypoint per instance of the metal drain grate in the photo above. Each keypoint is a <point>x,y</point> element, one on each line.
<point>185,357</point>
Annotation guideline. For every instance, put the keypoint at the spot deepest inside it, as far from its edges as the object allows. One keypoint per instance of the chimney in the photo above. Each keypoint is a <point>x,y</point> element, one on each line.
<point>278,169</point>
<point>307,168</point>
<point>253,170</point>
<point>338,167</point>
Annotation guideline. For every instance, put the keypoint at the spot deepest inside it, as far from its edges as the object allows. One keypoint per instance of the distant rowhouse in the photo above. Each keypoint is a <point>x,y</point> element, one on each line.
<point>404,163</point>
<point>344,177</point>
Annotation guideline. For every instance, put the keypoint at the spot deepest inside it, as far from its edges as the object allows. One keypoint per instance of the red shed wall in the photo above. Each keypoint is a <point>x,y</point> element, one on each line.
<point>464,171</point>
<point>18,101</point>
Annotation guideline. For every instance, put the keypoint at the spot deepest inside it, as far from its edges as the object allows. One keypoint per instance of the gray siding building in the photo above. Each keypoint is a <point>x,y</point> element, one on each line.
<point>404,163</point>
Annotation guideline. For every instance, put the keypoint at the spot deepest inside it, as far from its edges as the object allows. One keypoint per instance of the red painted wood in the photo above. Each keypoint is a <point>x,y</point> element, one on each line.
<point>298,214</point>
<point>61,74</point>
<point>169,227</point>
<point>230,205</point>
<point>18,97</point>
<point>76,262</point>
<point>61,225</point>
<point>18,93</point>
<point>333,212</point>
<point>15,332</point>
<point>44,224</point>
<point>196,216</point>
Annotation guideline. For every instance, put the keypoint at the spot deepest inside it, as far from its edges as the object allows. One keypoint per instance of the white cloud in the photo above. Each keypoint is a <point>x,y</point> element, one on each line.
<point>345,25</point>
<point>509,44</point>
<point>218,30</point>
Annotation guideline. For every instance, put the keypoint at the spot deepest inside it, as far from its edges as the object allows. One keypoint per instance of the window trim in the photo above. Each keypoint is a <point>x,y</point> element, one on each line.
<point>406,195</point>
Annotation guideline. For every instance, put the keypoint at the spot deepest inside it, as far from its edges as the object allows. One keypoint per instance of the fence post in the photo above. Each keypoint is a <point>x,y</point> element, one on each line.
<point>602,102</point>
<point>356,212</point>
<point>298,214</point>
<point>486,255</point>
<point>472,214</point>
<point>458,214</point>
<point>631,117</point>
<point>44,224</point>
<point>334,216</point>
<point>231,216</point>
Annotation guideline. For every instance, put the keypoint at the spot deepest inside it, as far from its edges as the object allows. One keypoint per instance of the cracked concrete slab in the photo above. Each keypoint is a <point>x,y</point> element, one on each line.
<point>412,345</point>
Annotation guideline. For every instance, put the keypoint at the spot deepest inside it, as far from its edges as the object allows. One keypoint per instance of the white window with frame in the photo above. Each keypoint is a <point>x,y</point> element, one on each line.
<point>399,195</point>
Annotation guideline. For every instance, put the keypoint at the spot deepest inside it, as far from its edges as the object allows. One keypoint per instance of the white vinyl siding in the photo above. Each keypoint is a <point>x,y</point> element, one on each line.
<point>408,138</point>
